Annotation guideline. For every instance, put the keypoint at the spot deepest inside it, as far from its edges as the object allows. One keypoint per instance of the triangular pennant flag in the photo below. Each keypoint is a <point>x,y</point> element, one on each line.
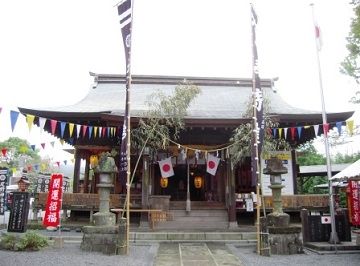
<point>108,132</point>
<point>307,127</point>
<point>316,130</point>
<point>212,164</point>
<point>339,127</point>
<point>65,162</point>
<point>71,141</point>
<point>299,129</point>
<point>90,131</point>
<point>84,128</point>
<point>62,129</point>
<point>43,167</point>
<point>43,145</point>
<point>13,118</point>
<point>13,170</point>
<point>292,133</point>
<point>62,141</point>
<point>280,132</point>
<point>36,167</point>
<point>52,144</point>
<point>103,133</point>
<point>42,122</point>
<point>29,168</point>
<point>23,149</point>
<point>166,167</point>
<point>285,132</point>
<point>95,131</point>
<point>78,127</point>
<point>0,109</point>
<point>350,126</point>
<point>100,132</point>
<point>71,129</point>
<point>53,126</point>
<point>30,120</point>
<point>33,147</point>
<point>4,151</point>
<point>326,128</point>
<point>274,132</point>
<point>72,160</point>
<point>58,164</point>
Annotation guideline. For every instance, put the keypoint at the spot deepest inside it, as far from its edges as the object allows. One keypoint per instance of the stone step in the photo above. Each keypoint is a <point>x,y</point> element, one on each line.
<point>199,213</point>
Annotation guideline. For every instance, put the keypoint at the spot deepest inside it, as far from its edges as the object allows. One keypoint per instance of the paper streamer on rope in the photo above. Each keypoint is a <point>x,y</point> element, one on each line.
<point>339,127</point>
<point>316,130</point>
<point>90,131</point>
<point>78,128</point>
<point>95,132</point>
<point>299,129</point>
<point>84,131</point>
<point>285,132</point>
<point>62,128</point>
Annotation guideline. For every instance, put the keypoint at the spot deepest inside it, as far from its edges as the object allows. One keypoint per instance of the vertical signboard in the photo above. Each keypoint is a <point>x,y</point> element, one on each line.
<point>19,212</point>
<point>3,183</point>
<point>287,179</point>
<point>354,202</point>
<point>54,201</point>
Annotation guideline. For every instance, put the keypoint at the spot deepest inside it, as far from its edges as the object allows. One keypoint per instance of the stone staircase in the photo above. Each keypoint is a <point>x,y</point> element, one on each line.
<point>203,216</point>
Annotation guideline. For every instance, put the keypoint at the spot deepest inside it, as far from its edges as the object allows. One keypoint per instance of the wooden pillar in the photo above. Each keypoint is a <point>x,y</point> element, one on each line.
<point>76,171</point>
<point>145,190</point>
<point>232,207</point>
<point>86,174</point>
<point>295,170</point>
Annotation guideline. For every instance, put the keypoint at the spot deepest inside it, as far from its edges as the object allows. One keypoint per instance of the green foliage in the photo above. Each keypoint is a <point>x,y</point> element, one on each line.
<point>31,241</point>
<point>308,155</point>
<point>346,158</point>
<point>350,65</point>
<point>165,117</point>
<point>243,134</point>
<point>311,182</point>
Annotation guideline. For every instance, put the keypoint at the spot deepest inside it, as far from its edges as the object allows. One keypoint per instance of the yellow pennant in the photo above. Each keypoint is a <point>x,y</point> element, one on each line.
<point>95,131</point>
<point>350,126</point>
<point>280,132</point>
<point>62,141</point>
<point>71,129</point>
<point>30,120</point>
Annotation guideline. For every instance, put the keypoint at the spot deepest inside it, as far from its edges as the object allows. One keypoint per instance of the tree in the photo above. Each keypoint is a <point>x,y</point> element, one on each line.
<point>243,134</point>
<point>350,65</point>
<point>165,117</point>
<point>308,155</point>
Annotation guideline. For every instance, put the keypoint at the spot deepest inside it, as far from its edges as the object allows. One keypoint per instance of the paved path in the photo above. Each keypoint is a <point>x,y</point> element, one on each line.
<point>199,254</point>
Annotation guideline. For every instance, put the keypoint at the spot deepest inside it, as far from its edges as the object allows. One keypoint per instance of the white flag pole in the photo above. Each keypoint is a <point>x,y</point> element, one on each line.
<point>333,235</point>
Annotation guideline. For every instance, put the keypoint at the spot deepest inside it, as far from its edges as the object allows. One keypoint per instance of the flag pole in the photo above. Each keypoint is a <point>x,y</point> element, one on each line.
<point>333,235</point>
<point>125,10</point>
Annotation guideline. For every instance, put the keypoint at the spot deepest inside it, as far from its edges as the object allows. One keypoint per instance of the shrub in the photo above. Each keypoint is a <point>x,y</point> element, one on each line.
<point>31,241</point>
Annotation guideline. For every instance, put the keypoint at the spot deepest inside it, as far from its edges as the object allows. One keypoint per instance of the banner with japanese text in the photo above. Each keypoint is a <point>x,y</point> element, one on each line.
<point>3,183</point>
<point>354,202</point>
<point>54,201</point>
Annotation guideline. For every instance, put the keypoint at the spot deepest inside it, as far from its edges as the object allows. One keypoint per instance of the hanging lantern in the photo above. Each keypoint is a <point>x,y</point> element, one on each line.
<point>198,181</point>
<point>94,161</point>
<point>164,182</point>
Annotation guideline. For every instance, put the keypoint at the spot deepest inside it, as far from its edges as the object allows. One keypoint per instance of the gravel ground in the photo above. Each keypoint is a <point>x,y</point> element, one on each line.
<point>249,257</point>
<point>71,254</point>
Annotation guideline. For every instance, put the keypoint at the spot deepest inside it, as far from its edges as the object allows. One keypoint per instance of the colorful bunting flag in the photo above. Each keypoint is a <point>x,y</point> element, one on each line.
<point>30,120</point>
<point>13,119</point>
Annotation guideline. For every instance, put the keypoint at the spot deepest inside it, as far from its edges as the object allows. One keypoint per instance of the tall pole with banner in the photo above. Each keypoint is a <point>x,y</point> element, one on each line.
<point>125,9</point>
<point>258,124</point>
<point>333,235</point>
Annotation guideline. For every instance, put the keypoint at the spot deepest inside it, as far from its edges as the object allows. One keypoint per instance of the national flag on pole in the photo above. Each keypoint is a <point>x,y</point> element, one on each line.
<point>166,167</point>
<point>318,36</point>
<point>125,14</point>
<point>257,93</point>
<point>212,164</point>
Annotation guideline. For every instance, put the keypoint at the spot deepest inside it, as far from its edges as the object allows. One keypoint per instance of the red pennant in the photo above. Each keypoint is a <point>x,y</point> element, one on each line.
<point>84,130</point>
<point>326,128</point>
<point>4,151</point>
<point>53,126</point>
<point>103,131</point>
<point>292,131</point>
<point>29,168</point>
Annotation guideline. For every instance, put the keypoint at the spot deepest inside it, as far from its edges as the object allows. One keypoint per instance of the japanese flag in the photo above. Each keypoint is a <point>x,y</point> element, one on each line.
<point>212,164</point>
<point>325,219</point>
<point>166,167</point>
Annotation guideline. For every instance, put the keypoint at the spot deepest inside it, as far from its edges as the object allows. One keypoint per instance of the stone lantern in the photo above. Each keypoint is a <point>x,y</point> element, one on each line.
<point>275,169</point>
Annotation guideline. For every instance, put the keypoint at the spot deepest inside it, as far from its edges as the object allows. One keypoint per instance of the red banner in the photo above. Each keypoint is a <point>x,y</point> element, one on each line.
<point>54,201</point>
<point>354,202</point>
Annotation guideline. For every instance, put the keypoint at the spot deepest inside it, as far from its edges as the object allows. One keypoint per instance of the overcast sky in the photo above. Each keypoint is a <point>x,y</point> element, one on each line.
<point>48,47</point>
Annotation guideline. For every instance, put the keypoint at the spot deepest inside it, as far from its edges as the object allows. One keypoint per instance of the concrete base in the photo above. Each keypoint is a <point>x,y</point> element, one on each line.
<point>285,240</point>
<point>58,242</point>
<point>110,240</point>
<point>233,225</point>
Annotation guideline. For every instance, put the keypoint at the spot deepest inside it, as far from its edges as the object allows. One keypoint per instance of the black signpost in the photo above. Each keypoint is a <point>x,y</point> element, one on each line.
<point>19,212</point>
